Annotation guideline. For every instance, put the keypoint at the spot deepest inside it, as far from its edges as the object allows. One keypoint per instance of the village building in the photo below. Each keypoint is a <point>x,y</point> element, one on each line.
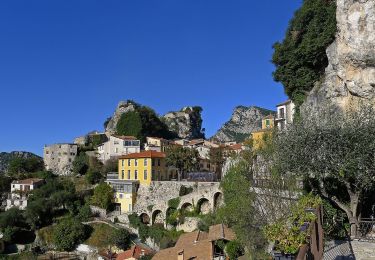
<point>117,146</point>
<point>59,158</point>
<point>198,245</point>
<point>19,192</point>
<point>258,137</point>
<point>157,144</point>
<point>134,253</point>
<point>285,114</point>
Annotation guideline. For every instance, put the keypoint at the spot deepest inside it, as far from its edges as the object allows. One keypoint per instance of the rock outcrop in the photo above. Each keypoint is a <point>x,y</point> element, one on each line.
<point>5,158</point>
<point>122,108</point>
<point>186,123</point>
<point>244,120</point>
<point>350,76</point>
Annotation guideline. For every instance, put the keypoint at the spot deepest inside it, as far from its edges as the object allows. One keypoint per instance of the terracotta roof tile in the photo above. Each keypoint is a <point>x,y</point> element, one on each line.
<point>144,154</point>
<point>29,181</point>
<point>134,252</point>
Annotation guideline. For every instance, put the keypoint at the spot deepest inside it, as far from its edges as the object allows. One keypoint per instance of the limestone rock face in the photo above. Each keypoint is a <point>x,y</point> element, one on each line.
<point>186,123</point>
<point>122,108</point>
<point>350,75</point>
<point>244,120</point>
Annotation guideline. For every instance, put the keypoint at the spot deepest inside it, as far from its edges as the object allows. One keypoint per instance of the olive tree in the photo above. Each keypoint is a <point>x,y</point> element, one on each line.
<point>335,152</point>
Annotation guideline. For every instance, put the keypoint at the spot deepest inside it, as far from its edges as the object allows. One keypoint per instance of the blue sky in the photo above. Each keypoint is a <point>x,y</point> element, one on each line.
<point>65,64</point>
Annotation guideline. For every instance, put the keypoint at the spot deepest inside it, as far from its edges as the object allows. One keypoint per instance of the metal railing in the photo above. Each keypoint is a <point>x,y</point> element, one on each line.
<point>366,230</point>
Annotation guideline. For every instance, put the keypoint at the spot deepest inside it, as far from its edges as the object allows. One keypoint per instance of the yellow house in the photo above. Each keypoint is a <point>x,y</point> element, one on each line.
<point>258,137</point>
<point>144,167</point>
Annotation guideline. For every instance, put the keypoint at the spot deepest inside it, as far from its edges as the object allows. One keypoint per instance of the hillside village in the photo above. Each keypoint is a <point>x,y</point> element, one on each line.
<point>296,182</point>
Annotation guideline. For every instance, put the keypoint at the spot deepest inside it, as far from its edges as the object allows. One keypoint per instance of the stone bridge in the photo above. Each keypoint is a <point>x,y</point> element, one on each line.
<point>206,197</point>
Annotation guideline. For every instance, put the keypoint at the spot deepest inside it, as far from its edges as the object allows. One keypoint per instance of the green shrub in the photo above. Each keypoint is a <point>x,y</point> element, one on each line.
<point>185,190</point>
<point>69,233</point>
<point>234,249</point>
<point>174,203</point>
<point>134,220</point>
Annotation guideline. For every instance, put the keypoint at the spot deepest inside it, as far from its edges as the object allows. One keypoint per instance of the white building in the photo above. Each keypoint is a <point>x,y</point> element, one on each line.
<point>118,146</point>
<point>157,144</point>
<point>59,158</point>
<point>20,191</point>
<point>285,114</point>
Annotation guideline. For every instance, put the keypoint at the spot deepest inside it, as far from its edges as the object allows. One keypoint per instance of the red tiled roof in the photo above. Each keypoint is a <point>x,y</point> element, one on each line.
<point>236,146</point>
<point>134,252</point>
<point>29,181</point>
<point>144,154</point>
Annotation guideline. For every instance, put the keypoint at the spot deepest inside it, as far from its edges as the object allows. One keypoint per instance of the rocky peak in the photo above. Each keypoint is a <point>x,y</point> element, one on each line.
<point>5,158</point>
<point>122,108</point>
<point>243,121</point>
<point>186,123</point>
<point>350,76</point>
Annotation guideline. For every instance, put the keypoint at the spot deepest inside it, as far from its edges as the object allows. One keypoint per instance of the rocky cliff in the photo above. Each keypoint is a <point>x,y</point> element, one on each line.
<point>186,123</point>
<point>350,75</point>
<point>244,120</point>
<point>5,158</point>
<point>122,108</point>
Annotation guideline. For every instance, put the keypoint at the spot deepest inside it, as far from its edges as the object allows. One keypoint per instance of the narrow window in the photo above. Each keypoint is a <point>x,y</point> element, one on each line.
<point>135,162</point>
<point>129,163</point>
<point>128,174</point>
<point>145,175</point>
<point>136,175</point>
<point>145,162</point>
<point>122,174</point>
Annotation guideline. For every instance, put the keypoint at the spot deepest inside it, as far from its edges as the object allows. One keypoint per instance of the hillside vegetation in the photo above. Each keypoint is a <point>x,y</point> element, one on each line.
<point>300,59</point>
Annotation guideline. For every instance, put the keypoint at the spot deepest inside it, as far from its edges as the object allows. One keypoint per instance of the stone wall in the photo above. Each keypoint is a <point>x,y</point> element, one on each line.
<point>59,158</point>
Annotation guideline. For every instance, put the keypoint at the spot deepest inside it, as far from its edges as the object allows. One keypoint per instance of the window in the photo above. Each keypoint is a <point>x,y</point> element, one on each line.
<point>136,175</point>
<point>122,174</point>
<point>116,150</point>
<point>120,196</point>
<point>145,175</point>
<point>153,162</point>
<point>115,142</point>
<point>70,160</point>
<point>47,152</point>
<point>135,162</point>
<point>129,162</point>
<point>128,174</point>
<point>158,162</point>
<point>145,162</point>
<point>122,162</point>
<point>130,207</point>
<point>267,123</point>
<point>281,113</point>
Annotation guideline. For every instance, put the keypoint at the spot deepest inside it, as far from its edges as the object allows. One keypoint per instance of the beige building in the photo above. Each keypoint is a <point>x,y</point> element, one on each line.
<point>118,146</point>
<point>59,158</point>
<point>20,191</point>
<point>285,114</point>
<point>157,144</point>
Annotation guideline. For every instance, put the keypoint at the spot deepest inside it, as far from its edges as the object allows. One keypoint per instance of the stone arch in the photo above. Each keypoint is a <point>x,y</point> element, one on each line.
<point>203,206</point>
<point>145,218</point>
<point>218,200</point>
<point>157,217</point>
<point>187,206</point>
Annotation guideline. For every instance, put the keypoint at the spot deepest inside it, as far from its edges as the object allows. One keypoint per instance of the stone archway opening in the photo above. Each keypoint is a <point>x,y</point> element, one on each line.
<point>157,217</point>
<point>218,200</point>
<point>145,218</point>
<point>187,207</point>
<point>204,206</point>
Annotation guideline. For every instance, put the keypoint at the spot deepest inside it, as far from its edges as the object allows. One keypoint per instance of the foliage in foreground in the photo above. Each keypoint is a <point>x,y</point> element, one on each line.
<point>335,155</point>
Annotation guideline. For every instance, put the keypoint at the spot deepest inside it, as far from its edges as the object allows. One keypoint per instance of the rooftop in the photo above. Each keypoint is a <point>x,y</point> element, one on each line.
<point>284,103</point>
<point>29,181</point>
<point>134,252</point>
<point>125,137</point>
<point>144,154</point>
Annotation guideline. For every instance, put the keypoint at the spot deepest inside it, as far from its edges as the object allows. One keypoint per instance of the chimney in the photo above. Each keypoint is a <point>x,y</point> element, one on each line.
<point>180,255</point>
